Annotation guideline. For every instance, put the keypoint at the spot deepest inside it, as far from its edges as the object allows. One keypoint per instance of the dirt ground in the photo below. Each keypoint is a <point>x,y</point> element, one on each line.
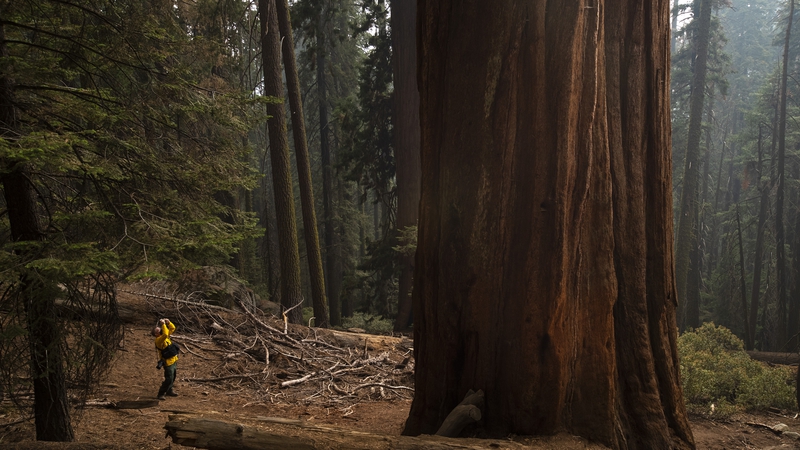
<point>134,377</point>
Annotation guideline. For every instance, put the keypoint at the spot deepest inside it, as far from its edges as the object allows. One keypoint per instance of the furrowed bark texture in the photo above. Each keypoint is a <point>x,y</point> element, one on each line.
<point>291,293</point>
<point>544,273</point>
<point>313,254</point>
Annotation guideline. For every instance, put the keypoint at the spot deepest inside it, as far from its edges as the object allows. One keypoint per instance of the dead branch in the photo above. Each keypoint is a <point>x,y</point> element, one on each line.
<point>298,380</point>
<point>18,421</point>
<point>366,385</point>
<point>226,377</point>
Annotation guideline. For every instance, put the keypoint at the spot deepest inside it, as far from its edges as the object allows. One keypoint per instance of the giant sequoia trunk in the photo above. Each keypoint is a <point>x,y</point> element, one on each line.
<point>544,271</point>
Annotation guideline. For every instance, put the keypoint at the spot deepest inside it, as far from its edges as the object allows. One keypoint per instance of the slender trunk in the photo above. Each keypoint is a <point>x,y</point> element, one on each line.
<point>291,294</point>
<point>713,239</point>
<point>686,220</point>
<point>779,228</point>
<point>742,279</point>
<point>765,343</point>
<point>794,294</point>
<point>315,272</point>
<point>332,281</point>
<point>51,408</point>
<point>270,242</point>
<point>406,142</point>
<point>695,280</point>
<point>674,28</point>
<point>758,258</point>
<point>376,218</point>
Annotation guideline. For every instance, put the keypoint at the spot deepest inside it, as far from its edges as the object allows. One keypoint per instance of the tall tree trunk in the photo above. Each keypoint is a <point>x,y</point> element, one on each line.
<point>376,218</point>
<point>695,280</point>
<point>780,264</point>
<point>50,405</point>
<point>270,245</point>
<point>793,324</point>
<point>714,240</point>
<point>315,272</point>
<point>333,281</point>
<point>686,218</point>
<point>758,258</point>
<point>291,294</point>
<point>544,273</point>
<point>674,28</point>
<point>742,278</point>
<point>406,141</point>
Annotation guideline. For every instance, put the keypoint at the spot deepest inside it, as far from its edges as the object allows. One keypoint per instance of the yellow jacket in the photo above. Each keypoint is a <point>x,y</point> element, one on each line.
<point>163,341</point>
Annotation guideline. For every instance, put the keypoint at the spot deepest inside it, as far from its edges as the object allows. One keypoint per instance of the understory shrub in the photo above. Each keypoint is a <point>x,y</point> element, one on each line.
<point>371,324</point>
<point>720,378</point>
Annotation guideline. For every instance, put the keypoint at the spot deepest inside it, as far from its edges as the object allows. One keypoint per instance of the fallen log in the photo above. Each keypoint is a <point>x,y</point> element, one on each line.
<point>201,432</point>
<point>785,359</point>
<point>123,404</point>
<point>136,404</point>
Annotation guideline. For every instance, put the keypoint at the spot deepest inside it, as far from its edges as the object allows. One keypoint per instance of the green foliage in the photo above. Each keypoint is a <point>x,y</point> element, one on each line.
<point>368,322</point>
<point>129,117</point>
<point>407,241</point>
<point>129,131</point>
<point>716,370</point>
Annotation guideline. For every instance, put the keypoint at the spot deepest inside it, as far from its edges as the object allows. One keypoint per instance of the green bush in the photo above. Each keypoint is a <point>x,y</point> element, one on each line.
<point>715,370</point>
<point>371,324</point>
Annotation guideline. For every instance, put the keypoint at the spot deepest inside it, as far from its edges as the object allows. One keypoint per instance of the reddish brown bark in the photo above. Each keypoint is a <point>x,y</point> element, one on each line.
<point>544,272</point>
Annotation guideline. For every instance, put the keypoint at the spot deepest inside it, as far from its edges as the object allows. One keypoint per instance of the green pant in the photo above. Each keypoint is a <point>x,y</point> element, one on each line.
<point>170,373</point>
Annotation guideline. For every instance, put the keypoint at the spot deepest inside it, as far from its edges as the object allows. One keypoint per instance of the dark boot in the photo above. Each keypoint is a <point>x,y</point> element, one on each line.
<point>172,393</point>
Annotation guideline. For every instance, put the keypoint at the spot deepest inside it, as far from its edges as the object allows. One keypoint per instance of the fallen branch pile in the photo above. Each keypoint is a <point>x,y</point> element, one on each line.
<point>246,346</point>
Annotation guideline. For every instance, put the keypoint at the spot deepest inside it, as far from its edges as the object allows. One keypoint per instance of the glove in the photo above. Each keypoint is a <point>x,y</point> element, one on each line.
<point>160,364</point>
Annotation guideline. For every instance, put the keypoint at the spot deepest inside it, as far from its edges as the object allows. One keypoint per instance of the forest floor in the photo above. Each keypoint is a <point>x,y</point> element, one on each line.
<point>345,405</point>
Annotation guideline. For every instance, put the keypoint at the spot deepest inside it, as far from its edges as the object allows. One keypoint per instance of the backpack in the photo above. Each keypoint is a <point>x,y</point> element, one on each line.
<point>171,350</point>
